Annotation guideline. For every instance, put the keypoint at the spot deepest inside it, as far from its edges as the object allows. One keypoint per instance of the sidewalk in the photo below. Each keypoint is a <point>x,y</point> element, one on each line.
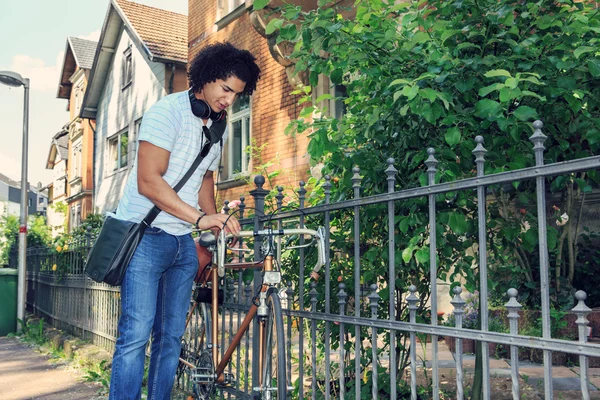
<point>26,374</point>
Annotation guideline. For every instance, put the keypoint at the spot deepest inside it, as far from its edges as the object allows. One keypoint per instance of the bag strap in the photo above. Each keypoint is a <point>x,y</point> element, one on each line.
<point>215,133</point>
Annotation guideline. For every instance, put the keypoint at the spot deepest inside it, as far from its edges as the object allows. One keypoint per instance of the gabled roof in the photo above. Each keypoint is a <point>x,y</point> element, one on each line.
<point>78,53</point>
<point>164,33</point>
<point>8,181</point>
<point>161,34</point>
<point>59,146</point>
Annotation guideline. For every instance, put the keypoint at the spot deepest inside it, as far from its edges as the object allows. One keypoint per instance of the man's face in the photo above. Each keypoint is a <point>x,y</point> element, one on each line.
<point>222,93</point>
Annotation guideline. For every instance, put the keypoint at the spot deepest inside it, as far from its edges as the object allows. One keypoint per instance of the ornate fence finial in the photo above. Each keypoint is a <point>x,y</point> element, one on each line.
<point>301,194</point>
<point>391,174</point>
<point>412,301</point>
<point>230,290</point>
<point>458,303</point>
<point>538,139</point>
<point>279,197</point>
<point>259,181</point>
<point>479,150</point>
<point>242,206</point>
<point>356,179</point>
<point>582,311</point>
<point>226,206</point>
<point>374,301</point>
<point>313,296</point>
<point>289,294</point>
<point>248,293</point>
<point>327,188</point>
<point>513,308</point>
<point>431,162</point>
<point>342,296</point>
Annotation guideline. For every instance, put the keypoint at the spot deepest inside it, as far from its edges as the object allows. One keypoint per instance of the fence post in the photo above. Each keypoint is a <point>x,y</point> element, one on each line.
<point>374,303</point>
<point>431,164</point>
<point>342,296</point>
<point>327,222</point>
<point>458,303</point>
<point>513,308</point>
<point>391,181</point>
<point>412,301</point>
<point>289,294</point>
<point>86,282</point>
<point>356,179</point>
<point>301,197</point>
<point>313,331</point>
<point>582,311</point>
<point>538,139</point>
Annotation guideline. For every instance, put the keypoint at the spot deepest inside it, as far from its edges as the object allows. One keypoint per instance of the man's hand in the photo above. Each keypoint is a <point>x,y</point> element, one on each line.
<point>217,221</point>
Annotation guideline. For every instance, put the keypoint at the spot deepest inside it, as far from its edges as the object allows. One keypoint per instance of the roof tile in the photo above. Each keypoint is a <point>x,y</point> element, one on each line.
<point>84,51</point>
<point>163,32</point>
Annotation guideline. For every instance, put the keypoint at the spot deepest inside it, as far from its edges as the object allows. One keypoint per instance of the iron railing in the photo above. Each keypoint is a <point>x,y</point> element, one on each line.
<point>329,316</point>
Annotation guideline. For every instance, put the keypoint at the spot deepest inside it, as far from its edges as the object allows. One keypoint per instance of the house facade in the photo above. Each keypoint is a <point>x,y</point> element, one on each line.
<point>57,161</point>
<point>261,120</point>
<point>10,198</point>
<point>141,57</point>
<point>79,56</point>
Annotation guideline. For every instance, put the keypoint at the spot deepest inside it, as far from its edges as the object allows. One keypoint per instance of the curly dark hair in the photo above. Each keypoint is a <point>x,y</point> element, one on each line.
<point>220,61</point>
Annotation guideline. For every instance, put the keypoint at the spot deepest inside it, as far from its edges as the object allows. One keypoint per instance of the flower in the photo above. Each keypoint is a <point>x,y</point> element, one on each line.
<point>54,267</point>
<point>65,247</point>
<point>58,248</point>
<point>563,219</point>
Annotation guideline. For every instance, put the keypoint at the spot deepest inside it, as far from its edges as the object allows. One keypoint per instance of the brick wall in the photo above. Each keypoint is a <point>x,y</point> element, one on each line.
<point>272,105</point>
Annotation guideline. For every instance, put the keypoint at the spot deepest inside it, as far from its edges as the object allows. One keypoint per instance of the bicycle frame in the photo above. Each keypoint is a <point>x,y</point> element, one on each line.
<point>218,271</point>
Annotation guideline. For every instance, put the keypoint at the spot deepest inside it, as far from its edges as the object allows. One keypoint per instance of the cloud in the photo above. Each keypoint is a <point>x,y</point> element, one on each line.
<point>11,167</point>
<point>95,36</point>
<point>43,77</point>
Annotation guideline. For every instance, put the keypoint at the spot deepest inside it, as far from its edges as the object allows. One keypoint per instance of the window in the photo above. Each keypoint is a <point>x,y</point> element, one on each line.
<point>126,68</point>
<point>224,7</point>
<point>76,159</point>
<point>75,217</point>
<point>336,108</point>
<point>236,158</point>
<point>117,151</point>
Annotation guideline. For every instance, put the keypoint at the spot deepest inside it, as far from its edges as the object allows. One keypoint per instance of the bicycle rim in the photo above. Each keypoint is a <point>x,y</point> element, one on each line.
<point>196,340</point>
<point>274,377</point>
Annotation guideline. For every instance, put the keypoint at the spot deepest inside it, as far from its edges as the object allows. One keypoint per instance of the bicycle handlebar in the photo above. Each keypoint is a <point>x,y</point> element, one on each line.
<point>318,236</point>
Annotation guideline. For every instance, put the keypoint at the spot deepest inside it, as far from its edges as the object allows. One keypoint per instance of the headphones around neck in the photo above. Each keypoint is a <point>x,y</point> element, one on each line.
<point>201,109</point>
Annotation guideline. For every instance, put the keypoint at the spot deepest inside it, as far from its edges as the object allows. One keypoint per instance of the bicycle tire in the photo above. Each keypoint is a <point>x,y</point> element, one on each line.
<point>196,340</point>
<point>274,376</point>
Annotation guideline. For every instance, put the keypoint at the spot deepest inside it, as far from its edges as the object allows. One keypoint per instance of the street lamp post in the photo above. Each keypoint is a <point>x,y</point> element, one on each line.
<point>14,79</point>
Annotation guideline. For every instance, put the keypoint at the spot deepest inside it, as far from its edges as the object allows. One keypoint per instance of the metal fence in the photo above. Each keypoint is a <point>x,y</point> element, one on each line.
<point>339,345</point>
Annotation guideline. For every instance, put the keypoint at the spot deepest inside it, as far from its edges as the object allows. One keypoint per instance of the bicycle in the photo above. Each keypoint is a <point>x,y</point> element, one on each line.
<point>199,358</point>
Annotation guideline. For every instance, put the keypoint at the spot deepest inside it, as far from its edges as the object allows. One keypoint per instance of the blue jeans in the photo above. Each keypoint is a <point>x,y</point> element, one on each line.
<point>155,296</point>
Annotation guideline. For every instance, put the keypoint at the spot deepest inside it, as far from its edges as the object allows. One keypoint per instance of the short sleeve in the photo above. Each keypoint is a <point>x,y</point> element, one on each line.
<point>161,125</point>
<point>215,164</point>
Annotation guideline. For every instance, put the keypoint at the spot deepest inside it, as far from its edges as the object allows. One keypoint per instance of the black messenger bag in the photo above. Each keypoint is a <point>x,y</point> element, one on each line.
<point>109,257</point>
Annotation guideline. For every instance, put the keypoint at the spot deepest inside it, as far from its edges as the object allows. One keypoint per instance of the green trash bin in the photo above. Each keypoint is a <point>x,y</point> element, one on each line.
<point>8,301</point>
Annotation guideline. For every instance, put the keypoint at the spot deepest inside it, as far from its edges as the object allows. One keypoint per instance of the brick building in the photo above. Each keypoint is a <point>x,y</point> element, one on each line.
<point>261,120</point>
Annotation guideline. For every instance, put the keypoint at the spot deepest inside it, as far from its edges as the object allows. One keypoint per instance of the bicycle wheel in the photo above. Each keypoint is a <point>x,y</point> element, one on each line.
<point>195,342</point>
<point>274,377</point>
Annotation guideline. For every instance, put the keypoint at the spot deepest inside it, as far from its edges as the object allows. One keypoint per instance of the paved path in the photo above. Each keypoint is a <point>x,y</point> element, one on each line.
<point>26,374</point>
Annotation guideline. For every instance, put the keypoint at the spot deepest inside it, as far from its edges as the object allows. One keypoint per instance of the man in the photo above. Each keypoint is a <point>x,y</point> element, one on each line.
<point>157,286</point>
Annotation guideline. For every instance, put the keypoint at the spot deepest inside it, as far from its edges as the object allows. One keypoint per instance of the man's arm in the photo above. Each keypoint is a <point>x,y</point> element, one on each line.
<point>206,195</point>
<point>153,162</point>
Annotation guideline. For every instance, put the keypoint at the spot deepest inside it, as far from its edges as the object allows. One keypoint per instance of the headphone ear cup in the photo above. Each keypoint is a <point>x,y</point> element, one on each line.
<point>219,116</point>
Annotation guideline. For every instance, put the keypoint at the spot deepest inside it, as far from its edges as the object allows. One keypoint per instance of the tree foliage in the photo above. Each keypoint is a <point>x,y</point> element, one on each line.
<point>437,74</point>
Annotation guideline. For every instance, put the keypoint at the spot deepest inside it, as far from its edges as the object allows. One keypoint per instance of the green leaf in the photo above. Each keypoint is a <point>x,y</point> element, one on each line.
<point>422,255</point>
<point>260,4</point>
<point>532,94</point>
<point>452,136</point>
<point>593,136</point>
<point>410,91</point>
<point>497,72</point>
<point>404,109</point>
<point>582,50</point>
<point>484,91</point>
<point>458,223</point>
<point>288,32</point>
<point>336,76</point>
<point>594,66</point>
<point>403,225</point>
<point>488,109</point>
<point>322,97</point>
<point>307,112</point>
<point>525,113</point>
<point>399,82</point>
<point>273,25</point>
<point>511,83</point>
<point>407,254</point>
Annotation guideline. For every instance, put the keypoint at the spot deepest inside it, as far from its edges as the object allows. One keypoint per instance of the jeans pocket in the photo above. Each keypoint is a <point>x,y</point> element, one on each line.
<point>153,231</point>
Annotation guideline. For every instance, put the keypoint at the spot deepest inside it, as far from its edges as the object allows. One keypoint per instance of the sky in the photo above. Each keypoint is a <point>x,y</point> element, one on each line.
<point>33,36</point>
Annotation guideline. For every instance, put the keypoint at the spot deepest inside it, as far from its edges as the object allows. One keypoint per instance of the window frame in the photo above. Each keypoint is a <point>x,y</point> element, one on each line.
<point>77,157</point>
<point>127,67</point>
<point>226,7</point>
<point>115,140</point>
<point>246,139</point>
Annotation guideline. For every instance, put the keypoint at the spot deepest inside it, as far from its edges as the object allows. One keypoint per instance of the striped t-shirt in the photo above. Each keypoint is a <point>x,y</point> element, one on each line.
<point>171,125</point>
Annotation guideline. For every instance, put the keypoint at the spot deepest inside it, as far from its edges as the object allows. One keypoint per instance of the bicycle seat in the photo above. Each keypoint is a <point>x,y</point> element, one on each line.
<point>207,239</point>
